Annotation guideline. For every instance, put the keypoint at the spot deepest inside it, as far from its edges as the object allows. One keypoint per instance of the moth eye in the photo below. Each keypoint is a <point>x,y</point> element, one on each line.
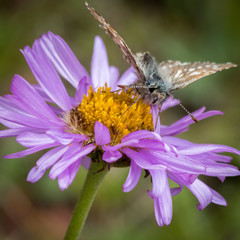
<point>151,90</point>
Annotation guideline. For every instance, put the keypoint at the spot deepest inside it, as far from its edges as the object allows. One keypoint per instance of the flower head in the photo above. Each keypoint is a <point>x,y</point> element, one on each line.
<point>45,116</point>
<point>108,108</point>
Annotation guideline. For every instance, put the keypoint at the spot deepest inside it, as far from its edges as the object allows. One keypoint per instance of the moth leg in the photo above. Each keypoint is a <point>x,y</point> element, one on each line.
<point>123,87</point>
<point>116,91</point>
<point>158,116</point>
<point>131,105</point>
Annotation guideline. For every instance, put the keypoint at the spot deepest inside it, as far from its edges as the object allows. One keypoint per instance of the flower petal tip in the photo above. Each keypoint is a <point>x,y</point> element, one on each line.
<point>35,174</point>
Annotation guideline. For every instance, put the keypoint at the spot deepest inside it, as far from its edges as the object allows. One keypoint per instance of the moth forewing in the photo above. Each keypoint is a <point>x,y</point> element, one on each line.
<point>112,33</point>
<point>178,74</point>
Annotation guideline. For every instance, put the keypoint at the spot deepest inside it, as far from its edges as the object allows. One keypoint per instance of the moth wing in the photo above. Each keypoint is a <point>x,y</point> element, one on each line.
<point>178,74</point>
<point>128,55</point>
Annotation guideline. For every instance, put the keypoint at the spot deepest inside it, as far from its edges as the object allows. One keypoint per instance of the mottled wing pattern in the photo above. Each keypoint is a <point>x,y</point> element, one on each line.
<point>178,74</point>
<point>129,57</point>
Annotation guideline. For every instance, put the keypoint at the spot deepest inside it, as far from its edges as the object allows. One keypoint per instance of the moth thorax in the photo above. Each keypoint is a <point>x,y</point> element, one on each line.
<point>155,82</point>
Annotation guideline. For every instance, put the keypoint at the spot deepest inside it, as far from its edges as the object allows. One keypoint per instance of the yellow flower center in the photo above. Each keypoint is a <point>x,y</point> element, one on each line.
<point>108,107</point>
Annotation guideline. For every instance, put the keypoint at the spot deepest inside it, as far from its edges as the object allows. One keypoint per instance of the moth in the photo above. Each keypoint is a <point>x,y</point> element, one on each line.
<point>157,81</point>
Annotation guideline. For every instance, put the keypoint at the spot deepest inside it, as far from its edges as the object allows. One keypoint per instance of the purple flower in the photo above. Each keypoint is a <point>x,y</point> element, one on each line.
<point>45,116</point>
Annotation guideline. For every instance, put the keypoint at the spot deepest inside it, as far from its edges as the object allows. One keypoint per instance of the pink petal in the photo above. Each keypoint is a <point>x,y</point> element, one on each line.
<point>10,124</point>
<point>111,156</point>
<point>132,143</point>
<point>15,131</point>
<point>102,134</point>
<point>82,89</point>
<point>203,148</point>
<point>100,72</point>
<point>48,79</point>
<point>202,192</point>
<point>35,174</point>
<point>73,154</point>
<point>141,159</point>
<point>170,102</point>
<point>218,199</point>
<point>163,205</point>
<point>30,151</point>
<point>177,163</point>
<point>29,139</point>
<point>159,181</point>
<point>133,177</point>
<point>141,134</point>
<point>51,157</point>
<point>163,209</point>
<point>85,162</point>
<point>23,119</point>
<point>32,100</point>
<point>114,75</point>
<point>10,105</point>
<point>221,170</point>
<point>67,177</point>
<point>128,77</point>
<point>65,138</point>
<point>62,57</point>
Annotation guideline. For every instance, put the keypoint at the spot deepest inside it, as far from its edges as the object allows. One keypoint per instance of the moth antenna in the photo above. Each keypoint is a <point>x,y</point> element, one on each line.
<point>190,114</point>
<point>131,105</point>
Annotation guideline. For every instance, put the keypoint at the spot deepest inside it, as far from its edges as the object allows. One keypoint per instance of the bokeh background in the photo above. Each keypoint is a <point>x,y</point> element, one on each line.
<point>183,30</point>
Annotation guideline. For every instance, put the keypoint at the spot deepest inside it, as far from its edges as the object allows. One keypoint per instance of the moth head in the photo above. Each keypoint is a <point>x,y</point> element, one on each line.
<point>157,98</point>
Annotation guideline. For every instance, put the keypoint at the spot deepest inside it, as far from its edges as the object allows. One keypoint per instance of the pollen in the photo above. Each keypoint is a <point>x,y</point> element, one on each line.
<point>112,110</point>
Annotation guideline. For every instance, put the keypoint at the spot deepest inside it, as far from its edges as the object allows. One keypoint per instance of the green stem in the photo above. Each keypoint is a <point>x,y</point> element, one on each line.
<point>91,185</point>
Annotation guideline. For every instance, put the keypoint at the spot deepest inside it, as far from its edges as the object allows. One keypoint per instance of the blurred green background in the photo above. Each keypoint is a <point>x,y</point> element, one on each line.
<point>183,30</point>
